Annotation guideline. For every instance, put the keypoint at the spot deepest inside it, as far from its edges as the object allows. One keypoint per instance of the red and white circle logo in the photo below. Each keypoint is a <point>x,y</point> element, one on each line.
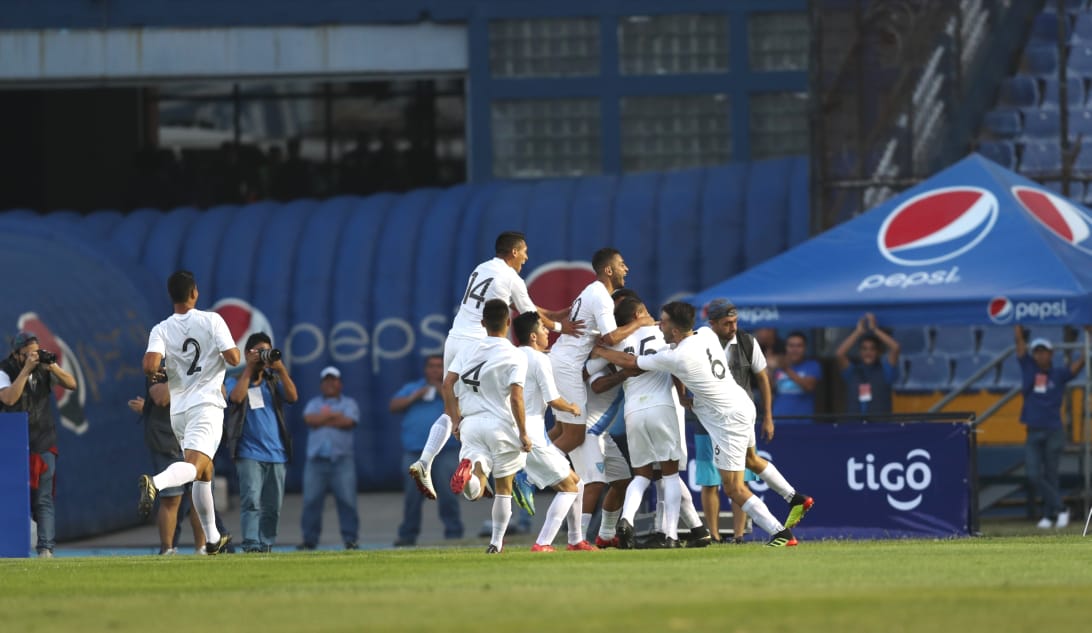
<point>1000,310</point>
<point>70,404</point>
<point>937,225</point>
<point>554,285</point>
<point>1058,215</point>
<point>242,320</point>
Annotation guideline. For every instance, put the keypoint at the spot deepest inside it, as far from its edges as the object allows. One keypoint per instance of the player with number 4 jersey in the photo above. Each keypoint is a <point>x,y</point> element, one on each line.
<point>195,348</point>
<point>497,278</point>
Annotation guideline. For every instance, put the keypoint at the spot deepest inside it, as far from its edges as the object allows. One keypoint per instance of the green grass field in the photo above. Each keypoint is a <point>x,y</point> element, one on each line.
<point>1041,583</point>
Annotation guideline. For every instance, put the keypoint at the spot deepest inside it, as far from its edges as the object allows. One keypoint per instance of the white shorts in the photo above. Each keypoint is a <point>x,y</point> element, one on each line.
<point>199,428</point>
<point>453,345</point>
<point>653,436</point>
<point>599,460</point>
<point>730,439</point>
<point>546,466</point>
<point>492,443</point>
<point>571,386</point>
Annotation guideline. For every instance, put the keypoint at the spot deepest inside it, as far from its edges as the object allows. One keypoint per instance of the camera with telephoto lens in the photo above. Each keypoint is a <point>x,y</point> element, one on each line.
<point>269,356</point>
<point>46,357</point>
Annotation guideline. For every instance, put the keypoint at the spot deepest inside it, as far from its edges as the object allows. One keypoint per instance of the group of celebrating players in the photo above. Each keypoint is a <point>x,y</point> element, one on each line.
<point>495,398</point>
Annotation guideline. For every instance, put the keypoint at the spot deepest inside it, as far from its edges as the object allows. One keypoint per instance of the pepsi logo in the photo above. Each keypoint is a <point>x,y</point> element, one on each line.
<point>937,225</point>
<point>242,320</point>
<point>70,404</point>
<point>1000,310</point>
<point>554,285</point>
<point>1059,216</point>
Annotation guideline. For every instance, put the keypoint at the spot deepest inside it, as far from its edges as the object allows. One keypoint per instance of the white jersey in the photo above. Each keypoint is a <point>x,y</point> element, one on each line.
<point>699,362</point>
<point>538,389</point>
<point>191,344</point>
<point>652,388</point>
<point>596,309</point>
<point>487,373</point>
<point>493,279</point>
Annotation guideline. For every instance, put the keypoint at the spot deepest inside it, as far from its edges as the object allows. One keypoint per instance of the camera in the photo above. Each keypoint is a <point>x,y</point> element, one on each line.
<point>269,356</point>
<point>46,357</point>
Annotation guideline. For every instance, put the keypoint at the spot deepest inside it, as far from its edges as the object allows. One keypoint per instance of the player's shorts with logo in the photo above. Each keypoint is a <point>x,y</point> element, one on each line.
<point>493,443</point>
<point>546,466</point>
<point>599,460</point>
<point>652,434</point>
<point>570,384</point>
<point>199,428</point>
<point>731,437</point>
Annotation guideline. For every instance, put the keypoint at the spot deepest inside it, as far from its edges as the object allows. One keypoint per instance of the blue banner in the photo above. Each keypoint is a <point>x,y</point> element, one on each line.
<point>14,486</point>
<point>874,480</point>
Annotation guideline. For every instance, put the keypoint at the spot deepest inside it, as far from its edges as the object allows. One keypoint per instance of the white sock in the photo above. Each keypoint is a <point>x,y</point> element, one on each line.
<point>559,507</point>
<point>635,492</point>
<point>175,475</point>
<point>502,513</point>
<point>688,514</point>
<point>206,509</point>
<point>608,523</point>
<point>585,521</point>
<point>437,437</point>
<point>672,500</point>
<point>473,489</point>
<point>658,520</point>
<point>758,511</point>
<point>576,525</point>
<point>777,482</point>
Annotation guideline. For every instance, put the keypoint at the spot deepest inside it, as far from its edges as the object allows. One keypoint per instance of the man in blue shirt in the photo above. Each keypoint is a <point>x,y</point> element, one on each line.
<point>869,380</point>
<point>258,440</point>
<point>421,403</point>
<point>1043,389</point>
<point>331,466</point>
<point>795,379</point>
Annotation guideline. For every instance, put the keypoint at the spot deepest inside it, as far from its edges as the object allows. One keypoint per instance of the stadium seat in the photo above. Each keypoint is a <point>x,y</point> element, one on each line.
<point>1083,163</point>
<point>1052,333</point>
<point>1021,91</point>
<point>927,372</point>
<point>1041,61</point>
<point>1079,63</point>
<point>1082,28</point>
<point>1042,124</point>
<point>1001,152</point>
<point>993,340</point>
<point>1041,158</point>
<point>1071,6</point>
<point>953,340</point>
<point>912,340</point>
<point>1074,93</point>
<point>965,365</point>
<point>1045,28</point>
<point>1080,124</point>
<point>1076,189</point>
<point>1004,123</point>
<point>1009,376</point>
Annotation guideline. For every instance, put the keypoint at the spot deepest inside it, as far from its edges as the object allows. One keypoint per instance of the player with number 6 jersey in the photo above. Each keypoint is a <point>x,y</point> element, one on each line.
<point>195,346</point>
<point>497,278</point>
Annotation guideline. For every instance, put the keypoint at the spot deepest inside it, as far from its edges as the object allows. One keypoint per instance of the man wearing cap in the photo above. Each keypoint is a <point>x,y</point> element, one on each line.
<point>330,466</point>
<point>1043,388</point>
<point>25,386</point>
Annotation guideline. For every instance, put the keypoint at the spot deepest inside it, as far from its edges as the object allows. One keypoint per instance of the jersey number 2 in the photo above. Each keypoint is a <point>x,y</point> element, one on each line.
<point>194,367</point>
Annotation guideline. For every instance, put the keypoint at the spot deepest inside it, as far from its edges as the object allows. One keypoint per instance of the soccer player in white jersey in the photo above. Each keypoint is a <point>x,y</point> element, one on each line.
<point>725,410</point>
<point>487,416</point>
<point>595,308</point>
<point>197,348</point>
<point>724,321</point>
<point>547,466</point>
<point>497,278</point>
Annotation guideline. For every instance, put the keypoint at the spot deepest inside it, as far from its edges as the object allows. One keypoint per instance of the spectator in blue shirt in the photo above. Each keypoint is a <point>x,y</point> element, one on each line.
<point>331,466</point>
<point>1043,388</point>
<point>421,403</point>
<point>795,379</point>
<point>869,379</point>
<point>258,440</point>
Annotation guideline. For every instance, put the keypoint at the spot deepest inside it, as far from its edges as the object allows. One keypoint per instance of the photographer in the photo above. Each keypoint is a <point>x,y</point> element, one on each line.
<point>258,439</point>
<point>27,377</point>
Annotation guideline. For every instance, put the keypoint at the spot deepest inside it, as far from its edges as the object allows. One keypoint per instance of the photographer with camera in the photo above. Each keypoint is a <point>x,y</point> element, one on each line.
<point>258,439</point>
<point>27,377</point>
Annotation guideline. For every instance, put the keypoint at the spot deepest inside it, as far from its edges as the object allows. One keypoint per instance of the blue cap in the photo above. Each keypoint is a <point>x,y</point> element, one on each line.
<point>20,340</point>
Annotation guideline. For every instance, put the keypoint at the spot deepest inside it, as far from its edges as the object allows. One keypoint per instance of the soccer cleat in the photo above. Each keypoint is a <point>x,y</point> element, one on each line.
<point>602,543</point>
<point>698,537</point>
<point>626,538</point>
<point>784,538</point>
<point>798,507</point>
<point>582,546</point>
<point>659,540</point>
<point>419,472</point>
<point>219,546</point>
<point>148,493</point>
<point>492,549</point>
<point>523,493</point>
<point>1063,519</point>
<point>461,476</point>
<point>543,548</point>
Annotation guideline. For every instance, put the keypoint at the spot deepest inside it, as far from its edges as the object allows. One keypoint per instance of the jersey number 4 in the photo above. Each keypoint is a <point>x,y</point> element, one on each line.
<point>194,367</point>
<point>476,291</point>
<point>471,377</point>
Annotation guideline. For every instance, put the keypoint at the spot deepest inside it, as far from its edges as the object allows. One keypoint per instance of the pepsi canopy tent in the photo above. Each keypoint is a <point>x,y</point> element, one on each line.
<point>974,244</point>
